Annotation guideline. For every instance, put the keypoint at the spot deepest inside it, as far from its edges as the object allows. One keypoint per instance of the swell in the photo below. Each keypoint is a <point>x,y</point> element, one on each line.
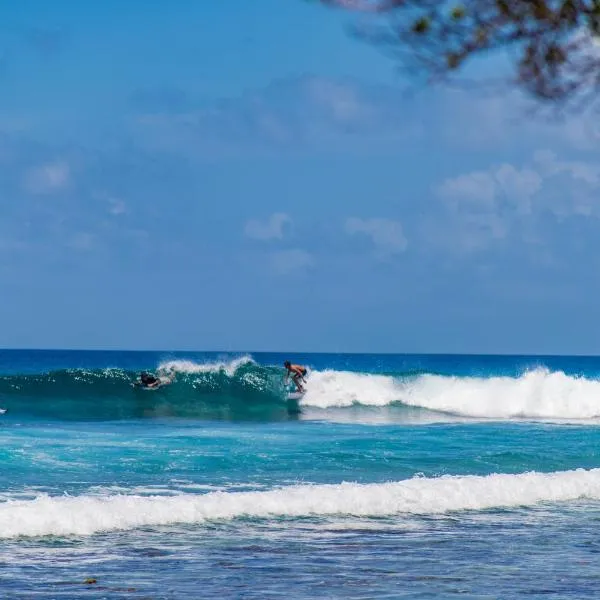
<point>238,389</point>
<point>242,389</point>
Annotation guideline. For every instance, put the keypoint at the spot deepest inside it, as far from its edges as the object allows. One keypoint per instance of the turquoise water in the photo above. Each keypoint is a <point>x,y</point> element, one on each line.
<point>394,477</point>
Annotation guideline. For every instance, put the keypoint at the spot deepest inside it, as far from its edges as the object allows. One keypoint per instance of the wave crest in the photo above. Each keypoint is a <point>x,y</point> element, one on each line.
<point>242,388</point>
<point>190,367</point>
<point>538,394</point>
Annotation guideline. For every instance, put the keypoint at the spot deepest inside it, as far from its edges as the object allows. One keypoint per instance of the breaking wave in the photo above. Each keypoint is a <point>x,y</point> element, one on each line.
<point>242,388</point>
<point>537,394</point>
<point>89,514</point>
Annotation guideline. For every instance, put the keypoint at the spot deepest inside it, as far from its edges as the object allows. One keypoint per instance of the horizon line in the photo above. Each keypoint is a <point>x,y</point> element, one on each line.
<point>320,352</point>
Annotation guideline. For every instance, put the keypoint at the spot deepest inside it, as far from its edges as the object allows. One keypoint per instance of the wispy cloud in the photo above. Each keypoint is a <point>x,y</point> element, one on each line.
<point>117,207</point>
<point>48,178</point>
<point>386,235</point>
<point>573,186</point>
<point>293,113</point>
<point>82,240</point>
<point>477,188</point>
<point>271,229</point>
<point>291,261</point>
<point>345,116</point>
<point>549,165</point>
<point>483,190</point>
<point>500,117</point>
<point>114,206</point>
<point>344,102</point>
<point>483,206</point>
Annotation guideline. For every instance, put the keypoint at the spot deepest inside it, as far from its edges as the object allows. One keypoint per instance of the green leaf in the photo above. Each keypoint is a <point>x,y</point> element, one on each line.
<point>421,25</point>
<point>458,13</point>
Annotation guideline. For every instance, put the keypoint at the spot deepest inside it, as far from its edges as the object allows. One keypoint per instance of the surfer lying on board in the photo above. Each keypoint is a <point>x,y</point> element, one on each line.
<point>152,381</point>
<point>164,376</point>
<point>149,380</point>
<point>298,373</point>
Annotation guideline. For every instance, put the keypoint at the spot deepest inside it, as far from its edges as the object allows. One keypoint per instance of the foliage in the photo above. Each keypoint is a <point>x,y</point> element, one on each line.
<point>554,44</point>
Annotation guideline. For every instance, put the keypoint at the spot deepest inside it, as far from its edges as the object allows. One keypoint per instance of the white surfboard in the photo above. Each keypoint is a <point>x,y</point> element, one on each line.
<point>2,411</point>
<point>163,381</point>
<point>295,395</point>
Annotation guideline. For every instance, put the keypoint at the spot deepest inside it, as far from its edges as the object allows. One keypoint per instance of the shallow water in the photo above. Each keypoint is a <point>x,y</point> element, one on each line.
<point>399,477</point>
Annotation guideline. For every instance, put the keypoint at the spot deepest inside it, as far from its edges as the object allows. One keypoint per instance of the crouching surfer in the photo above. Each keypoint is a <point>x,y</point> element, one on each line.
<point>298,374</point>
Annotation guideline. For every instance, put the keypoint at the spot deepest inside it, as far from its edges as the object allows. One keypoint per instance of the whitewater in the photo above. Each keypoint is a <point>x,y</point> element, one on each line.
<point>86,515</point>
<point>536,393</point>
<point>394,475</point>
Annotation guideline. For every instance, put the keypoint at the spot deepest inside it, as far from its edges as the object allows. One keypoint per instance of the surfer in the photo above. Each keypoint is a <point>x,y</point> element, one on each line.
<point>149,381</point>
<point>298,373</point>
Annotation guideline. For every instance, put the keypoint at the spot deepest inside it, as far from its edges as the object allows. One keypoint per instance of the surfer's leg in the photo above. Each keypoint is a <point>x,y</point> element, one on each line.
<point>297,382</point>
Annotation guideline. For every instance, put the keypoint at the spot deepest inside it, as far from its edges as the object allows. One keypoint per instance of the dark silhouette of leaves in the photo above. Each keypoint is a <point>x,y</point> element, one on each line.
<point>554,44</point>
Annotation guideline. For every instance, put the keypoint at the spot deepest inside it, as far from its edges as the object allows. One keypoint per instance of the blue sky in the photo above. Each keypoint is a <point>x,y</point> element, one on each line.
<point>240,175</point>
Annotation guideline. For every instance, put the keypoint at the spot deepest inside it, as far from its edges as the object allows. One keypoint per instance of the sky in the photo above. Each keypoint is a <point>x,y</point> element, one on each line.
<point>237,176</point>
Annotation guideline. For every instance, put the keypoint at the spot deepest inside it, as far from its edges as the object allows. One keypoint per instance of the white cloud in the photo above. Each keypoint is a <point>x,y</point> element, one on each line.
<point>293,114</point>
<point>116,206</point>
<point>291,261</point>
<point>486,205</point>
<point>340,99</point>
<point>483,205</point>
<point>575,186</point>
<point>518,186</point>
<point>82,241</point>
<point>494,117</point>
<point>550,165</point>
<point>48,178</point>
<point>387,235</point>
<point>483,190</point>
<point>477,188</point>
<point>271,229</point>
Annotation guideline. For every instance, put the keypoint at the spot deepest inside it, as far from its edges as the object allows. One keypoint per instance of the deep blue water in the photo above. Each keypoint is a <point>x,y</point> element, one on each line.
<point>394,477</point>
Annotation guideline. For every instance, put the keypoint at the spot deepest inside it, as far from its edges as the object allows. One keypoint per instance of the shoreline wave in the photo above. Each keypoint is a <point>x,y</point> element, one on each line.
<point>89,514</point>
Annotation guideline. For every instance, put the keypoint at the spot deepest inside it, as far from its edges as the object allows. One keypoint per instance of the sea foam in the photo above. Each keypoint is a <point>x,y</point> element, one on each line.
<point>190,367</point>
<point>538,393</point>
<point>89,514</point>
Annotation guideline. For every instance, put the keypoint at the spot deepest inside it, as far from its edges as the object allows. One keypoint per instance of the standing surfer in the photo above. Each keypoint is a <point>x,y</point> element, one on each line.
<point>298,374</point>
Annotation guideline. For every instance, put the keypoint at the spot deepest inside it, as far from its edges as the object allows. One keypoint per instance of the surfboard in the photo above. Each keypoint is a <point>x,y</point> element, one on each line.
<point>2,411</point>
<point>163,381</point>
<point>295,395</point>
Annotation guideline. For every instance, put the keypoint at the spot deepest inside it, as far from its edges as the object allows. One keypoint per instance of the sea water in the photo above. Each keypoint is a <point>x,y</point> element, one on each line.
<point>393,477</point>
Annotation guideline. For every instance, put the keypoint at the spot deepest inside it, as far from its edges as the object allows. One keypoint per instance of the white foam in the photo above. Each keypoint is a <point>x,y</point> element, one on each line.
<point>189,366</point>
<point>328,389</point>
<point>536,394</point>
<point>86,515</point>
<point>540,394</point>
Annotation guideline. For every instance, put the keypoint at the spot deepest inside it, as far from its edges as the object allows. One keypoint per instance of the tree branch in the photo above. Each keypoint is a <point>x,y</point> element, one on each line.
<point>557,53</point>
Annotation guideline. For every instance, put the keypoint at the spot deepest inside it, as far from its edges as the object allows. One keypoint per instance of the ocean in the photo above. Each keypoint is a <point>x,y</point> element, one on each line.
<point>395,476</point>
